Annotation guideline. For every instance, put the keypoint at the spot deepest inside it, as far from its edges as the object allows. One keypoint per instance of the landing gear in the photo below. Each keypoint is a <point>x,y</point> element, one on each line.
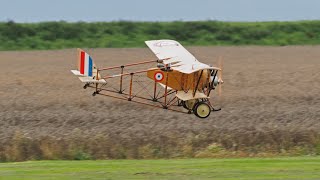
<point>86,85</point>
<point>95,93</point>
<point>202,109</point>
<point>199,107</point>
<point>189,104</point>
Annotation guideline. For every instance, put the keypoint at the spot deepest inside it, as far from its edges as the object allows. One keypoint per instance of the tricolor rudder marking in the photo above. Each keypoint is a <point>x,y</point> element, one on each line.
<point>82,57</point>
<point>86,64</point>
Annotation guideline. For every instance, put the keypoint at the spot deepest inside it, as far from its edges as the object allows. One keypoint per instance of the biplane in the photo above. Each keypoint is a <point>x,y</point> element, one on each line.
<point>175,80</point>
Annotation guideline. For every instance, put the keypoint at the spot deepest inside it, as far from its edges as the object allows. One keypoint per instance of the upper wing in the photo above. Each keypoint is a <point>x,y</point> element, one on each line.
<point>175,54</point>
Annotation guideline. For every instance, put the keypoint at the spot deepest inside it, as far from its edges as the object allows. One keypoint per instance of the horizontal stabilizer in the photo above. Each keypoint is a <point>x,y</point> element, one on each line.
<point>188,95</point>
<point>91,80</point>
<point>77,73</point>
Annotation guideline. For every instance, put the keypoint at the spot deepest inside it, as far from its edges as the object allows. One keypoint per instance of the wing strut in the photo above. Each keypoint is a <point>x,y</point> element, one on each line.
<point>196,88</point>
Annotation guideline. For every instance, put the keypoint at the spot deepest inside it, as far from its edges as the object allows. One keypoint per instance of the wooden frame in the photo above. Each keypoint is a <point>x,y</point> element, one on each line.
<point>167,100</point>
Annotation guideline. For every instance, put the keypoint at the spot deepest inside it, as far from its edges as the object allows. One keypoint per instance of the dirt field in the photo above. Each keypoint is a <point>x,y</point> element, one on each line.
<point>271,96</point>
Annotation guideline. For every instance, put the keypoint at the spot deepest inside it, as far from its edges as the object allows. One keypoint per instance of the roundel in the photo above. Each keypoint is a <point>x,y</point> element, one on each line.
<point>158,76</point>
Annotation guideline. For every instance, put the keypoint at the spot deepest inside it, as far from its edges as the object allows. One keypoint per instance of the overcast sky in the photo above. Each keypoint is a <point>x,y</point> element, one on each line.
<point>158,10</point>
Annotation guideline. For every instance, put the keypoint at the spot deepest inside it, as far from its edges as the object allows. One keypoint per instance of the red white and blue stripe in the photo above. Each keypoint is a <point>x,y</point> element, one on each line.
<point>86,64</point>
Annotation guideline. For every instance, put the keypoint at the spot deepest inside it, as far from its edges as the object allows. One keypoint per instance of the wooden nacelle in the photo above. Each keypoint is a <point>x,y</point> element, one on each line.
<point>181,81</point>
<point>192,89</point>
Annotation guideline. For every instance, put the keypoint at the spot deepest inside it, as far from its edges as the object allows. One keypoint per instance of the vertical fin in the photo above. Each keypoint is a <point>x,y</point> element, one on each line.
<point>86,65</point>
<point>82,59</point>
<point>90,66</point>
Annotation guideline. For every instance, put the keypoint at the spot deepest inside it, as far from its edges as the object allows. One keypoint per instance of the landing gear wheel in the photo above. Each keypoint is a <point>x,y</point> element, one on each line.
<point>189,104</point>
<point>202,110</point>
<point>86,85</point>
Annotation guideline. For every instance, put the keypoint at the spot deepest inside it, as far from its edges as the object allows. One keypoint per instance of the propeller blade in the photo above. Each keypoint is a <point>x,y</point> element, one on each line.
<point>220,81</point>
<point>220,95</point>
<point>219,90</point>
<point>221,67</point>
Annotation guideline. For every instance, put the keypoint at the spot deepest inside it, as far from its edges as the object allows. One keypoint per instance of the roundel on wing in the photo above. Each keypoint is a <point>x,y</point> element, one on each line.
<point>158,76</point>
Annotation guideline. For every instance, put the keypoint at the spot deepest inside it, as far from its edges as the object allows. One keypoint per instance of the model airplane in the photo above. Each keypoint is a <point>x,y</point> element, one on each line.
<point>175,79</point>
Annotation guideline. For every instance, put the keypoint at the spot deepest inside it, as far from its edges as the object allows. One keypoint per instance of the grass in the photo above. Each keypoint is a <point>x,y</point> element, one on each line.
<point>249,168</point>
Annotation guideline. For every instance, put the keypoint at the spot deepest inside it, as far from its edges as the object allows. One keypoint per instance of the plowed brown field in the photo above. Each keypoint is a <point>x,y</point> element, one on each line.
<point>271,97</point>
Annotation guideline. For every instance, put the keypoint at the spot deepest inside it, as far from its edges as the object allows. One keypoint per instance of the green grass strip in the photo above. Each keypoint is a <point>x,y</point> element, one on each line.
<point>249,168</point>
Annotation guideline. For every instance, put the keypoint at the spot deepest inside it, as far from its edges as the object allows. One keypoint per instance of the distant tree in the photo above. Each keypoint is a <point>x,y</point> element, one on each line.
<point>15,31</point>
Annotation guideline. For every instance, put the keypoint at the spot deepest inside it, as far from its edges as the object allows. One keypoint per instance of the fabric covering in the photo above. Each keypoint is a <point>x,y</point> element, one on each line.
<point>176,55</point>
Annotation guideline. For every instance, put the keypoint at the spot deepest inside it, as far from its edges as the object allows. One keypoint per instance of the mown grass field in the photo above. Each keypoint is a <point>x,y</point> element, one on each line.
<point>253,168</point>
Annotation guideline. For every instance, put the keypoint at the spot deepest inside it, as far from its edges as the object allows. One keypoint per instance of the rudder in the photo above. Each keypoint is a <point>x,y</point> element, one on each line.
<point>87,69</point>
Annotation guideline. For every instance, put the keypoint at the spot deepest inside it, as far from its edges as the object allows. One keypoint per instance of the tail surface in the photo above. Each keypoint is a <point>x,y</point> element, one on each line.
<point>87,69</point>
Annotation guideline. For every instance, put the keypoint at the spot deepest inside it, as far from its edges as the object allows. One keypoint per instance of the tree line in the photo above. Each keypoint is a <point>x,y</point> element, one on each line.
<point>59,35</point>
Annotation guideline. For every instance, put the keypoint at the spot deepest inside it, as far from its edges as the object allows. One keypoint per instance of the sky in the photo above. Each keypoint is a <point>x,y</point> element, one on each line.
<point>158,10</point>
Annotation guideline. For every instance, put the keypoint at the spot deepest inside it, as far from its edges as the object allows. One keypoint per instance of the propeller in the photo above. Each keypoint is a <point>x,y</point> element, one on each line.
<point>220,81</point>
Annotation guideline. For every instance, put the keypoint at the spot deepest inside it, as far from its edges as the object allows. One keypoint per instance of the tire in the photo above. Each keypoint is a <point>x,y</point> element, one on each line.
<point>189,104</point>
<point>202,110</point>
<point>184,104</point>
